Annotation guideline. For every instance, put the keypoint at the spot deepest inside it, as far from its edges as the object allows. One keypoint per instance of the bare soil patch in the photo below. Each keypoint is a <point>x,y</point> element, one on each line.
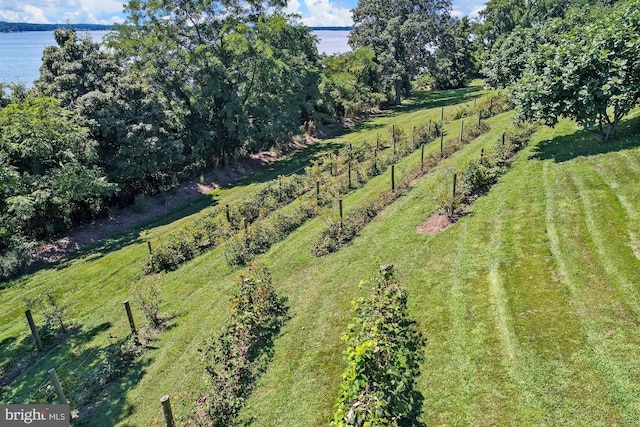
<point>435,224</point>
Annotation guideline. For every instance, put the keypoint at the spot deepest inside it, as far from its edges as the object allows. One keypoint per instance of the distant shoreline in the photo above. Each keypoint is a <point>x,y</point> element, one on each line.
<point>21,27</point>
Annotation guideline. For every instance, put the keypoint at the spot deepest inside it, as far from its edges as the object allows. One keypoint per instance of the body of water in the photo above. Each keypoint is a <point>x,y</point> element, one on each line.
<point>21,53</point>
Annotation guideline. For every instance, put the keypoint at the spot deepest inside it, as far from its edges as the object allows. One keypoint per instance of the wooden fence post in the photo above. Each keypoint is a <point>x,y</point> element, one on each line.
<point>422,157</point>
<point>393,138</point>
<point>413,137</point>
<point>503,138</point>
<point>479,117</point>
<point>166,409</point>
<point>461,130</point>
<point>340,210</point>
<point>375,160</point>
<point>132,325</point>
<point>482,155</point>
<point>34,330</point>
<point>245,225</point>
<point>442,115</point>
<point>455,181</point>
<point>228,213</point>
<point>441,143</point>
<point>318,192</point>
<point>56,384</point>
<point>149,247</point>
<point>393,177</point>
<point>349,173</point>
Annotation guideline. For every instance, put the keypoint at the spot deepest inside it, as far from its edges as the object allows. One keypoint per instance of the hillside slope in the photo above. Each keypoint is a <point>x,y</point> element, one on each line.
<point>529,302</point>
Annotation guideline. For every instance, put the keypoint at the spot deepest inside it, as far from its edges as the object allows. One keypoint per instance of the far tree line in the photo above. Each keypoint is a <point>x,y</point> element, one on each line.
<point>186,86</point>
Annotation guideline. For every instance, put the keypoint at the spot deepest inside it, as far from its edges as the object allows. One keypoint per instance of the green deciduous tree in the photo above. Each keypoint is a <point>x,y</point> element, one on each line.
<point>239,74</point>
<point>49,173</point>
<point>510,55</point>
<point>591,75</point>
<point>501,17</point>
<point>453,63</point>
<point>140,140</point>
<point>349,83</point>
<point>402,35</point>
<point>76,66</point>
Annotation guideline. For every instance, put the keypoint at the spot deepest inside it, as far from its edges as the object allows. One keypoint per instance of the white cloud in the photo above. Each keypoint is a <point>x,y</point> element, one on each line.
<point>103,7</point>
<point>457,12</point>
<point>475,13</point>
<point>293,6</point>
<point>325,13</point>
<point>470,9</point>
<point>80,16</point>
<point>16,11</point>
<point>60,11</point>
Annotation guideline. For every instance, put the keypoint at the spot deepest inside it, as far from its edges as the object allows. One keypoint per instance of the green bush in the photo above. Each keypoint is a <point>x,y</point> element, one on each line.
<point>259,237</point>
<point>242,350</point>
<point>383,360</point>
<point>479,174</point>
<point>14,256</point>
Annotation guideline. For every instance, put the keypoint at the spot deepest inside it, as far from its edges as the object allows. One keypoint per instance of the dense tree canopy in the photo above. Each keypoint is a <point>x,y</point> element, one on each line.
<point>501,17</point>
<point>139,143</point>
<point>453,61</point>
<point>510,55</point>
<point>350,83</point>
<point>49,169</point>
<point>237,77</point>
<point>591,75</point>
<point>76,66</point>
<point>402,35</point>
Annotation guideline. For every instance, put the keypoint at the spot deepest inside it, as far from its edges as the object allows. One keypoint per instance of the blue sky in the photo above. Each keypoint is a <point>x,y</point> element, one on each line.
<point>313,12</point>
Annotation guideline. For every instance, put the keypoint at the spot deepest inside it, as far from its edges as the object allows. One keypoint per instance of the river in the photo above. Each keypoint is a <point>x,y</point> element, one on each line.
<point>21,53</point>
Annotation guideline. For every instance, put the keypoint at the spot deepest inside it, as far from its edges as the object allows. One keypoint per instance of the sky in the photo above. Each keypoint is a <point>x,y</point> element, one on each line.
<point>314,12</point>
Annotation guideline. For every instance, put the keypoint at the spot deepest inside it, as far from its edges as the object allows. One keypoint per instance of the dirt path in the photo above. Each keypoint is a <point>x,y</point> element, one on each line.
<point>159,205</point>
<point>128,218</point>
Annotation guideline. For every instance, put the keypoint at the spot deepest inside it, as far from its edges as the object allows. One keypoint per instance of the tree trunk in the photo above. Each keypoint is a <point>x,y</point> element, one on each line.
<point>406,85</point>
<point>398,92</point>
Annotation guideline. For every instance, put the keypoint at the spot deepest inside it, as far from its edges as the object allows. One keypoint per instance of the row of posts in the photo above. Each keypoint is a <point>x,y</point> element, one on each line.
<point>165,402</point>
<point>53,376</point>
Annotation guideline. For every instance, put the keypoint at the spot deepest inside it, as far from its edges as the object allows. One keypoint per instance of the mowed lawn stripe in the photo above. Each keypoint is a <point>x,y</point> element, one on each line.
<point>603,317</point>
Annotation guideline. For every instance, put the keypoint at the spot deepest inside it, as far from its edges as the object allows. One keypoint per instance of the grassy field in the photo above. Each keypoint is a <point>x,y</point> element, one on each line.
<point>529,303</point>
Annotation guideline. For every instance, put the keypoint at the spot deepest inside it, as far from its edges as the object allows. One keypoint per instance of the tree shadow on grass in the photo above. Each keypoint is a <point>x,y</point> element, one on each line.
<point>23,361</point>
<point>584,143</point>
<point>422,99</point>
<point>103,399</point>
<point>292,164</point>
<point>95,380</point>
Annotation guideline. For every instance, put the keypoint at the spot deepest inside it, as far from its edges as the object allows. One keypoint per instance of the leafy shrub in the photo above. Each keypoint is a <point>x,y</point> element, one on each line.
<point>461,111</point>
<point>259,237</point>
<point>242,350</point>
<point>481,173</point>
<point>213,228</point>
<point>54,313</point>
<point>117,359</point>
<point>492,105</point>
<point>383,360</point>
<point>477,174</point>
<point>14,256</point>
<point>147,295</point>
